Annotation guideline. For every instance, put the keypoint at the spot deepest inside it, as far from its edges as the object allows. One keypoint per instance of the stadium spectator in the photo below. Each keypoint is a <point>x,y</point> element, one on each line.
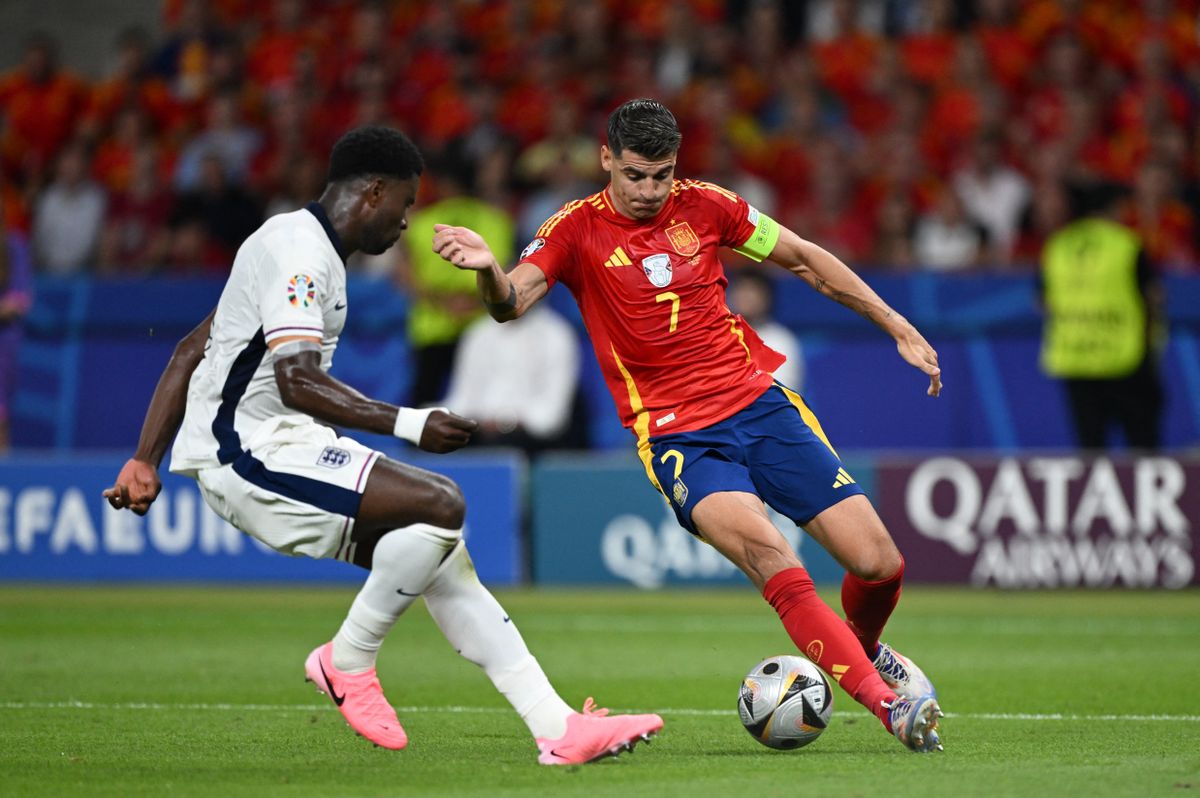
<point>1165,224</point>
<point>1103,303</point>
<point>135,238</point>
<point>132,85</point>
<point>302,183</point>
<point>113,161</point>
<point>724,170</point>
<point>1049,210</point>
<point>444,301</point>
<point>40,105</point>
<point>993,194</point>
<point>520,382</point>
<point>275,57</point>
<point>16,297</point>
<point>830,210</point>
<point>559,184</point>
<point>564,144</point>
<point>752,296</point>
<point>67,216</point>
<point>210,222</point>
<point>945,239</point>
<point>183,59</point>
<point>895,221</point>
<point>226,138</point>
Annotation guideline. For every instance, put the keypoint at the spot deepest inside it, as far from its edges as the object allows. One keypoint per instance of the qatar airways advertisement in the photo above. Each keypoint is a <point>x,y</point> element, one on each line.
<point>1044,521</point>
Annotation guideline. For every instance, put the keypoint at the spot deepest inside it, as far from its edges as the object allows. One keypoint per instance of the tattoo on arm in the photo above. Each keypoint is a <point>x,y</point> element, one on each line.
<point>508,305</point>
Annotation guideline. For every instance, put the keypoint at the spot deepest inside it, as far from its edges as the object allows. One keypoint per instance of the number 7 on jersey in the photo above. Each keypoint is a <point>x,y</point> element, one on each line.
<point>674,298</point>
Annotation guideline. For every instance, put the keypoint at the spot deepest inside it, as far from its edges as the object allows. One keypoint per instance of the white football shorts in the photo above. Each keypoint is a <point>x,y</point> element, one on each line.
<point>296,487</point>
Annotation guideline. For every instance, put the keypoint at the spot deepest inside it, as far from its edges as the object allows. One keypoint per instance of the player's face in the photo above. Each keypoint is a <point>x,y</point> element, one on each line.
<point>640,185</point>
<point>388,201</point>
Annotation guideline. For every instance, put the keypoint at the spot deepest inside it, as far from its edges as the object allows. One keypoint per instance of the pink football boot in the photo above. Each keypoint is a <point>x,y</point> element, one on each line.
<point>593,735</point>
<point>358,697</point>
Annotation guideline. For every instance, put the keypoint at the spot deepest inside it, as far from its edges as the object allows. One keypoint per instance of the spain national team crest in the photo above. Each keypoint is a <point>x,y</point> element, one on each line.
<point>658,269</point>
<point>301,290</point>
<point>684,239</point>
<point>679,492</point>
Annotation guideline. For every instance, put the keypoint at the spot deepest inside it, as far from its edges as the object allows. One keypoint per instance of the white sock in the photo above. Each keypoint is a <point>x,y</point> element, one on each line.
<point>402,565</point>
<point>479,629</point>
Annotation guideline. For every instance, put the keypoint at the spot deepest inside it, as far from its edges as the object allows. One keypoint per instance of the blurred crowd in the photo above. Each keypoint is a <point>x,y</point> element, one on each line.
<point>900,134</point>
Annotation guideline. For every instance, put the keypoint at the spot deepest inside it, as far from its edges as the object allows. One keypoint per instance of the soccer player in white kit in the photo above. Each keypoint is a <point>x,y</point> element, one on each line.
<point>249,394</point>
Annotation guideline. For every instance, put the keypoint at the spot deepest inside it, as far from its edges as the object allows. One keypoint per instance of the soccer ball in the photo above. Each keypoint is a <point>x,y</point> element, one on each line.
<point>785,702</point>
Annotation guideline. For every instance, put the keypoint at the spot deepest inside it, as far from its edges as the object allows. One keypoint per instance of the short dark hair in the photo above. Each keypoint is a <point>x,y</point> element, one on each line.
<point>374,150</point>
<point>646,127</point>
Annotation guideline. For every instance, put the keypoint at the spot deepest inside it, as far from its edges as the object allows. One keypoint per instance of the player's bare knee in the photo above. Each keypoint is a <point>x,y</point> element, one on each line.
<point>877,563</point>
<point>447,507</point>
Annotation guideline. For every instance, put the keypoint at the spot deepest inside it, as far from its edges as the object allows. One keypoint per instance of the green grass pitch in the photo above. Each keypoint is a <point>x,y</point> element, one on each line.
<point>198,691</point>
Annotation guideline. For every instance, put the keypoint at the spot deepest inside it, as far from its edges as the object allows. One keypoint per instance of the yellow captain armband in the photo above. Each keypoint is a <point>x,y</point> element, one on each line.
<point>762,241</point>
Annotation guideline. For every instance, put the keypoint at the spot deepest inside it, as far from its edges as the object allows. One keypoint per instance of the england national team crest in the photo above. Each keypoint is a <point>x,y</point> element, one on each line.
<point>658,269</point>
<point>684,239</point>
<point>333,457</point>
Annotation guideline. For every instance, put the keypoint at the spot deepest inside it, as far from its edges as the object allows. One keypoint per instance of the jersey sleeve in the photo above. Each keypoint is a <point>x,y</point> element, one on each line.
<point>551,250</point>
<point>292,281</point>
<point>745,229</point>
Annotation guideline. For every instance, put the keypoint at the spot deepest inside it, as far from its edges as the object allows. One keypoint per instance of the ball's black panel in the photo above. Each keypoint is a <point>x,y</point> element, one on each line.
<point>747,698</point>
<point>812,717</point>
<point>770,668</point>
<point>757,729</point>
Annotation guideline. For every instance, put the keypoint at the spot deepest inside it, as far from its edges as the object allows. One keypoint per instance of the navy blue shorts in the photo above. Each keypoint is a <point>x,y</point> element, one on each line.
<point>774,448</point>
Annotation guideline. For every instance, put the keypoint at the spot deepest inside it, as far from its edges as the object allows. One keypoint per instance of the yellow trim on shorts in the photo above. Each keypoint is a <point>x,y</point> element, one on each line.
<point>641,425</point>
<point>806,415</point>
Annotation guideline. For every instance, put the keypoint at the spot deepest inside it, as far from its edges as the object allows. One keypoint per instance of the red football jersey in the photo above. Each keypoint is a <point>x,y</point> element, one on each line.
<point>652,294</point>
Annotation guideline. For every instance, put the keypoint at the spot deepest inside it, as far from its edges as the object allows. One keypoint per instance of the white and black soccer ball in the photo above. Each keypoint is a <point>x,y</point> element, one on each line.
<point>785,702</point>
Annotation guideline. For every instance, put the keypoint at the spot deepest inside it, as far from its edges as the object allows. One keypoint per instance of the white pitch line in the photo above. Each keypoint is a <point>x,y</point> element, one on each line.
<point>500,710</point>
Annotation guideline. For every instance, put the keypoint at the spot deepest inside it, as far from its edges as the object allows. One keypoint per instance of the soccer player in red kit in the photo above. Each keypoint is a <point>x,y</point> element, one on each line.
<point>717,434</point>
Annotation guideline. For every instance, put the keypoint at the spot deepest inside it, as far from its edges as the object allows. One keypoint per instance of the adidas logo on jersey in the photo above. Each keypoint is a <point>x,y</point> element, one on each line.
<point>842,478</point>
<point>618,258</point>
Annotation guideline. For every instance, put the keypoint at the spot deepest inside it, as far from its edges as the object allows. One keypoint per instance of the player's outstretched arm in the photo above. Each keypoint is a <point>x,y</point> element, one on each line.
<point>833,278</point>
<point>138,484</point>
<point>506,296</point>
<point>306,387</point>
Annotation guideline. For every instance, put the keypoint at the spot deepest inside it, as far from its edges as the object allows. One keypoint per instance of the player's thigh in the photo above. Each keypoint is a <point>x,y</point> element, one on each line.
<point>688,467</point>
<point>735,523</point>
<point>797,472</point>
<point>299,514</point>
<point>855,535</point>
<point>792,464</point>
<point>399,495</point>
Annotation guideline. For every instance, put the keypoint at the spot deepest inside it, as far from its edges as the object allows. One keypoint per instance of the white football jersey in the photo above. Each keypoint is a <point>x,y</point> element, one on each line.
<point>288,279</point>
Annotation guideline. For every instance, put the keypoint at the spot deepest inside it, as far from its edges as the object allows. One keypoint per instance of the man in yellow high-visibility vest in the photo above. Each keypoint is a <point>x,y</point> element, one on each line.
<point>1101,298</point>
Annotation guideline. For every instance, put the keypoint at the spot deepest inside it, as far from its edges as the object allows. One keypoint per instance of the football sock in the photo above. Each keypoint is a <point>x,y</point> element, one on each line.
<point>480,630</point>
<point>826,639</point>
<point>402,566</point>
<point>868,605</point>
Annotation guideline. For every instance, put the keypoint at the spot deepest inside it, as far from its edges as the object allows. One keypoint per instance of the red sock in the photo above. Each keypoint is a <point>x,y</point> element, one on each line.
<point>868,605</point>
<point>825,639</point>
